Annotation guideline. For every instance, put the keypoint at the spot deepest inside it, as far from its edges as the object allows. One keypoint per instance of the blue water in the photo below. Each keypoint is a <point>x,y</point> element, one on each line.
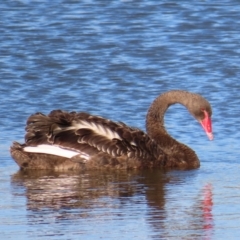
<point>112,58</point>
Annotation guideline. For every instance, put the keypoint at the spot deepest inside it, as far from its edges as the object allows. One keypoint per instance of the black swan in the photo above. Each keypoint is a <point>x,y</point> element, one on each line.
<point>78,140</point>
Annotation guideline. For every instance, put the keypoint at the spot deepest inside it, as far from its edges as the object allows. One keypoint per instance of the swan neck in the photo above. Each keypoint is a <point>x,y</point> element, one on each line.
<point>156,112</point>
<point>178,153</point>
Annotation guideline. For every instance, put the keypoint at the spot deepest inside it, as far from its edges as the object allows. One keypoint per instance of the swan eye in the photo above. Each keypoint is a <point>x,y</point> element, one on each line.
<point>203,112</point>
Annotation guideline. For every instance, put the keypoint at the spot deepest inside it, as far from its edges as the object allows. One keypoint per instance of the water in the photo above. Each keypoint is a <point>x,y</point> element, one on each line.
<point>112,58</point>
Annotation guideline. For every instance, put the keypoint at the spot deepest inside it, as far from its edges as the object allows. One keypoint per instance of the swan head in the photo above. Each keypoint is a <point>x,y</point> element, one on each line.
<point>201,110</point>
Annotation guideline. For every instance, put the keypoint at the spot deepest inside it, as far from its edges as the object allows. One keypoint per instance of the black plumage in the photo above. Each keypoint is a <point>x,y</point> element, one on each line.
<point>102,143</point>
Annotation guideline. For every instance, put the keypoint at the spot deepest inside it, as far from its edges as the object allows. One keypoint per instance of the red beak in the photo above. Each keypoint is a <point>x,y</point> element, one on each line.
<point>207,125</point>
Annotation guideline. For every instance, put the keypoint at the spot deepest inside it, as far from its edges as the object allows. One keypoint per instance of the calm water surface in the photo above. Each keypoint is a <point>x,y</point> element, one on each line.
<point>112,58</point>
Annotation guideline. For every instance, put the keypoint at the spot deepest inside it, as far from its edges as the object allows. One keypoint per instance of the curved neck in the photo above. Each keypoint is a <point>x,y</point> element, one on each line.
<point>179,154</point>
<point>155,116</point>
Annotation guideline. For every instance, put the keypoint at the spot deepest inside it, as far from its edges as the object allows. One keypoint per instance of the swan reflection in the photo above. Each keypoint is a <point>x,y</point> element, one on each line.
<point>151,198</point>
